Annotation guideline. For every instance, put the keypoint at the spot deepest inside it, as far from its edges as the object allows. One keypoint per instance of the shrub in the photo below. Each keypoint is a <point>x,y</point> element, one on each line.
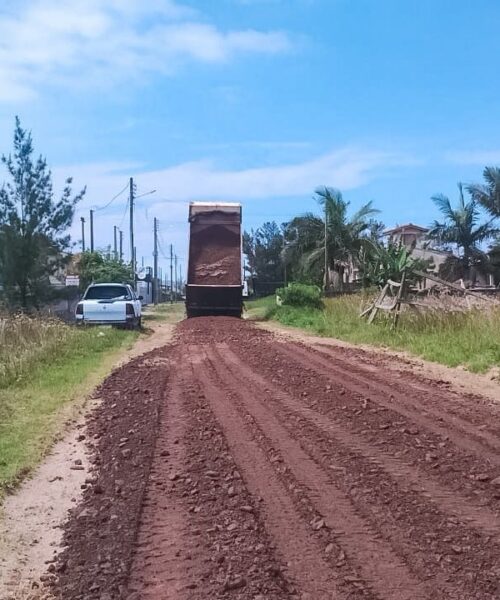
<point>300,294</point>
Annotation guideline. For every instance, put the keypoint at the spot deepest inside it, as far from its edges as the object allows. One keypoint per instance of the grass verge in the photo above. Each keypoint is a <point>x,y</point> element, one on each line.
<point>34,405</point>
<point>170,313</point>
<point>470,338</point>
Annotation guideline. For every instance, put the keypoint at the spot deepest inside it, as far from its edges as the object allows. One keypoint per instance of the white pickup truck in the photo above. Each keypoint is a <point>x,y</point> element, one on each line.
<point>109,304</point>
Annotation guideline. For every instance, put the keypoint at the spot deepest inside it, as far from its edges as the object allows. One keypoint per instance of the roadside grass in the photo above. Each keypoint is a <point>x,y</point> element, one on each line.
<point>170,313</point>
<point>261,308</point>
<point>468,338</point>
<point>55,373</point>
<point>24,341</point>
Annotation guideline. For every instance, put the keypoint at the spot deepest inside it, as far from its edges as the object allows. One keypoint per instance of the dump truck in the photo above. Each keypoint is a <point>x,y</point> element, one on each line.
<point>214,278</point>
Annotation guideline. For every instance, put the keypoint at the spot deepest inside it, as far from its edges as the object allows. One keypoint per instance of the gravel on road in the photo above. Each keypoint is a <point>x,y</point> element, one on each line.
<point>233,464</point>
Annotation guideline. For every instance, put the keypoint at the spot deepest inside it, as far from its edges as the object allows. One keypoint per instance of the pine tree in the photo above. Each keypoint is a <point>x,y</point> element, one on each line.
<point>33,224</point>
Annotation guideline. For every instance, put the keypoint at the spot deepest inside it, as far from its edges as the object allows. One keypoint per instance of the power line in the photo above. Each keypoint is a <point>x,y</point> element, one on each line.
<point>124,214</point>
<point>112,199</point>
<point>162,252</point>
<point>145,194</point>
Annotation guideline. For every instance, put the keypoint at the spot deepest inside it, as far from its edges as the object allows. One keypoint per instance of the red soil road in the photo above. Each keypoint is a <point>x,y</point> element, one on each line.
<point>263,469</point>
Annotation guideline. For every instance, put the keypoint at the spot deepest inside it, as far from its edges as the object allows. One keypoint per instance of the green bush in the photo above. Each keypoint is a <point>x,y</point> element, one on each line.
<point>300,294</point>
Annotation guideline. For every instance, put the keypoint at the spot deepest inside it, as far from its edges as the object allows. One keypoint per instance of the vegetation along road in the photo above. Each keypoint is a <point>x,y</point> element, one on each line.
<point>231,463</point>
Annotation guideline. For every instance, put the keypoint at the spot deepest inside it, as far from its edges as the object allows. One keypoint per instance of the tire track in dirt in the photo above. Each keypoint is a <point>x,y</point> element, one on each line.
<point>379,566</point>
<point>167,557</point>
<point>305,562</point>
<point>379,365</point>
<point>200,536</point>
<point>446,500</point>
<point>466,437</point>
<point>440,548</point>
<point>418,395</point>
<point>100,532</point>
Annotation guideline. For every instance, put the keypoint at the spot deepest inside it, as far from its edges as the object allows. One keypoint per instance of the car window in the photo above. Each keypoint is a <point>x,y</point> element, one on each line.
<point>107,292</point>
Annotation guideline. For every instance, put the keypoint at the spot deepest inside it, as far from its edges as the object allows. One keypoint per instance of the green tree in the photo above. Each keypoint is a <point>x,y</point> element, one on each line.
<point>344,236</point>
<point>263,248</point>
<point>488,194</point>
<point>460,231</point>
<point>379,263</point>
<point>97,267</point>
<point>302,234</point>
<point>248,243</point>
<point>33,225</point>
<point>375,231</point>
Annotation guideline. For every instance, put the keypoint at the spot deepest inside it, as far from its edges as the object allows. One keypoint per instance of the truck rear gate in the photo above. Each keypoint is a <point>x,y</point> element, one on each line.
<point>214,285</point>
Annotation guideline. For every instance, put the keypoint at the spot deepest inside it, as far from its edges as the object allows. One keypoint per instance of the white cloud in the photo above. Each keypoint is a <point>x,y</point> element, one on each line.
<point>87,42</point>
<point>474,157</point>
<point>346,168</point>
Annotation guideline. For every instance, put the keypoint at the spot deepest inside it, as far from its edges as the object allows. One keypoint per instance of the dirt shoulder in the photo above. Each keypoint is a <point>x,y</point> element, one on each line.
<point>458,378</point>
<point>32,517</point>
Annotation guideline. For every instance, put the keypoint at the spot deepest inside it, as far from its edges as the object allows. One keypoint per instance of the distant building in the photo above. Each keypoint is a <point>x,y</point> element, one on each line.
<point>407,235</point>
<point>415,238</point>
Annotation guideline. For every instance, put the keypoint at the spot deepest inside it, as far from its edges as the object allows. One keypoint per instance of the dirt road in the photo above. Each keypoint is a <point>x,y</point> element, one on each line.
<point>230,464</point>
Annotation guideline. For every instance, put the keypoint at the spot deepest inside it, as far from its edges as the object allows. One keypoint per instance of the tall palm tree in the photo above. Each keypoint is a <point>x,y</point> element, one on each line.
<point>332,241</point>
<point>488,193</point>
<point>461,231</point>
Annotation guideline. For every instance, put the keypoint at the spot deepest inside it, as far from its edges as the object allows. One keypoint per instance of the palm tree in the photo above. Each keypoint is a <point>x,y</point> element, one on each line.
<point>460,231</point>
<point>488,194</point>
<point>329,243</point>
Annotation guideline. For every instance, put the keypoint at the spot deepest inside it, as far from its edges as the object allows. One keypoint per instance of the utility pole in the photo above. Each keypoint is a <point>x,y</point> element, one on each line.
<point>171,275</point>
<point>155,264</point>
<point>176,278</point>
<point>326,252</point>
<point>91,230</point>
<point>283,254</point>
<point>83,233</point>
<point>132,247</point>
<point>121,245</point>
<point>115,248</point>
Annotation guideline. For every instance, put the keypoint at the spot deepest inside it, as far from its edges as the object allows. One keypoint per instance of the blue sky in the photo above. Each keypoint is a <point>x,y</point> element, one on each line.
<point>257,101</point>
